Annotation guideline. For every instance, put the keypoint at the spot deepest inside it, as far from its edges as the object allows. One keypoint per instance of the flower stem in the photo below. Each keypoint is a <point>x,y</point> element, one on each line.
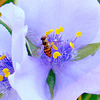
<point>6,26</point>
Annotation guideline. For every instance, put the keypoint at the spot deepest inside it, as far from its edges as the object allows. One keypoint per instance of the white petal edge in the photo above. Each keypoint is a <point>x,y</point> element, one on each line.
<point>12,15</point>
<point>19,52</point>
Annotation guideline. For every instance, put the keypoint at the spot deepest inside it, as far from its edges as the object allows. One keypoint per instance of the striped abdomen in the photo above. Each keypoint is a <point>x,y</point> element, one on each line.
<point>47,50</point>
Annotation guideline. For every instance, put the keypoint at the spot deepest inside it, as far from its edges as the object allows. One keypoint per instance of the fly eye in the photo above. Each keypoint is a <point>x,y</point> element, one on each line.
<point>44,43</point>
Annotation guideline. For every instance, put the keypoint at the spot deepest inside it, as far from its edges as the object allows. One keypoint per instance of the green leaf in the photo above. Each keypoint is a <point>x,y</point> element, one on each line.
<point>15,2</point>
<point>51,82</point>
<point>99,1</point>
<point>31,48</point>
<point>90,49</point>
<point>1,95</point>
<point>0,14</point>
<point>29,53</point>
<point>6,26</point>
<point>86,96</point>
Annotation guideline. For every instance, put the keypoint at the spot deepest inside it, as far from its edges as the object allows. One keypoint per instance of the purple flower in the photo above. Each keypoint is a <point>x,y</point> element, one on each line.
<point>72,77</point>
<point>6,67</point>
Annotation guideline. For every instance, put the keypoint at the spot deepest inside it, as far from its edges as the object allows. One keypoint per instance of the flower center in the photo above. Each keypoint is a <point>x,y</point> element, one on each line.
<point>6,69</point>
<point>55,48</point>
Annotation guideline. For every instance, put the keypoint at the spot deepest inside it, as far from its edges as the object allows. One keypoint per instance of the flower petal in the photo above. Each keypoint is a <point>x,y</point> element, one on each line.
<point>11,95</point>
<point>12,15</point>
<point>74,16</point>
<point>19,51</point>
<point>77,77</point>
<point>97,38</point>
<point>5,41</point>
<point>29,80</point>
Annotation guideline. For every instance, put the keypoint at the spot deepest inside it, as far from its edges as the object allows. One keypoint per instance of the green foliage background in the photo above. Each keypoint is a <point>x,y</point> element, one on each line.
<point>9,1</point>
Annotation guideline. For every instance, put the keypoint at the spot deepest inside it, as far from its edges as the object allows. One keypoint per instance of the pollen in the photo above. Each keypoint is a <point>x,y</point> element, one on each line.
<point>61,29</point>
<point>6,72</point>
<point>57,31</point>
<point>48,32</point>
<point>78,34</point>
<point>56,54</point>
<point>1,77</point>
<point>54,46</point>
<point>2,57</point>
<point>72,45</point>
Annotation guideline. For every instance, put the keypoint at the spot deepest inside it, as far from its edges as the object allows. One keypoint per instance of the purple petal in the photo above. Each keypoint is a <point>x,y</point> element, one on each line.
<point>11,95</point>
<point>29,80</point>
<point>74,15</point>
<point>5,41</point>
<point>97,38</point>
<point>77,77</point>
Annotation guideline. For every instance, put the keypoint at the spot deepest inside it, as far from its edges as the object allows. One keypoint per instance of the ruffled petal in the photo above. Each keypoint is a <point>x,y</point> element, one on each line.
<point>74,15</point>
<point>5,41</point>
<point>77,77</point>
<point>13,16</point>
<point>19,51</point>
<point>29,80</point>
<point>11,95</point>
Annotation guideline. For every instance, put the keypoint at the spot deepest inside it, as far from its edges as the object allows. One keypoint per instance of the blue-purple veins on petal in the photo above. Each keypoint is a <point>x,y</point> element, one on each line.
<point>62,51</point>
<point>6,68</point>
<point>56,51</point>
